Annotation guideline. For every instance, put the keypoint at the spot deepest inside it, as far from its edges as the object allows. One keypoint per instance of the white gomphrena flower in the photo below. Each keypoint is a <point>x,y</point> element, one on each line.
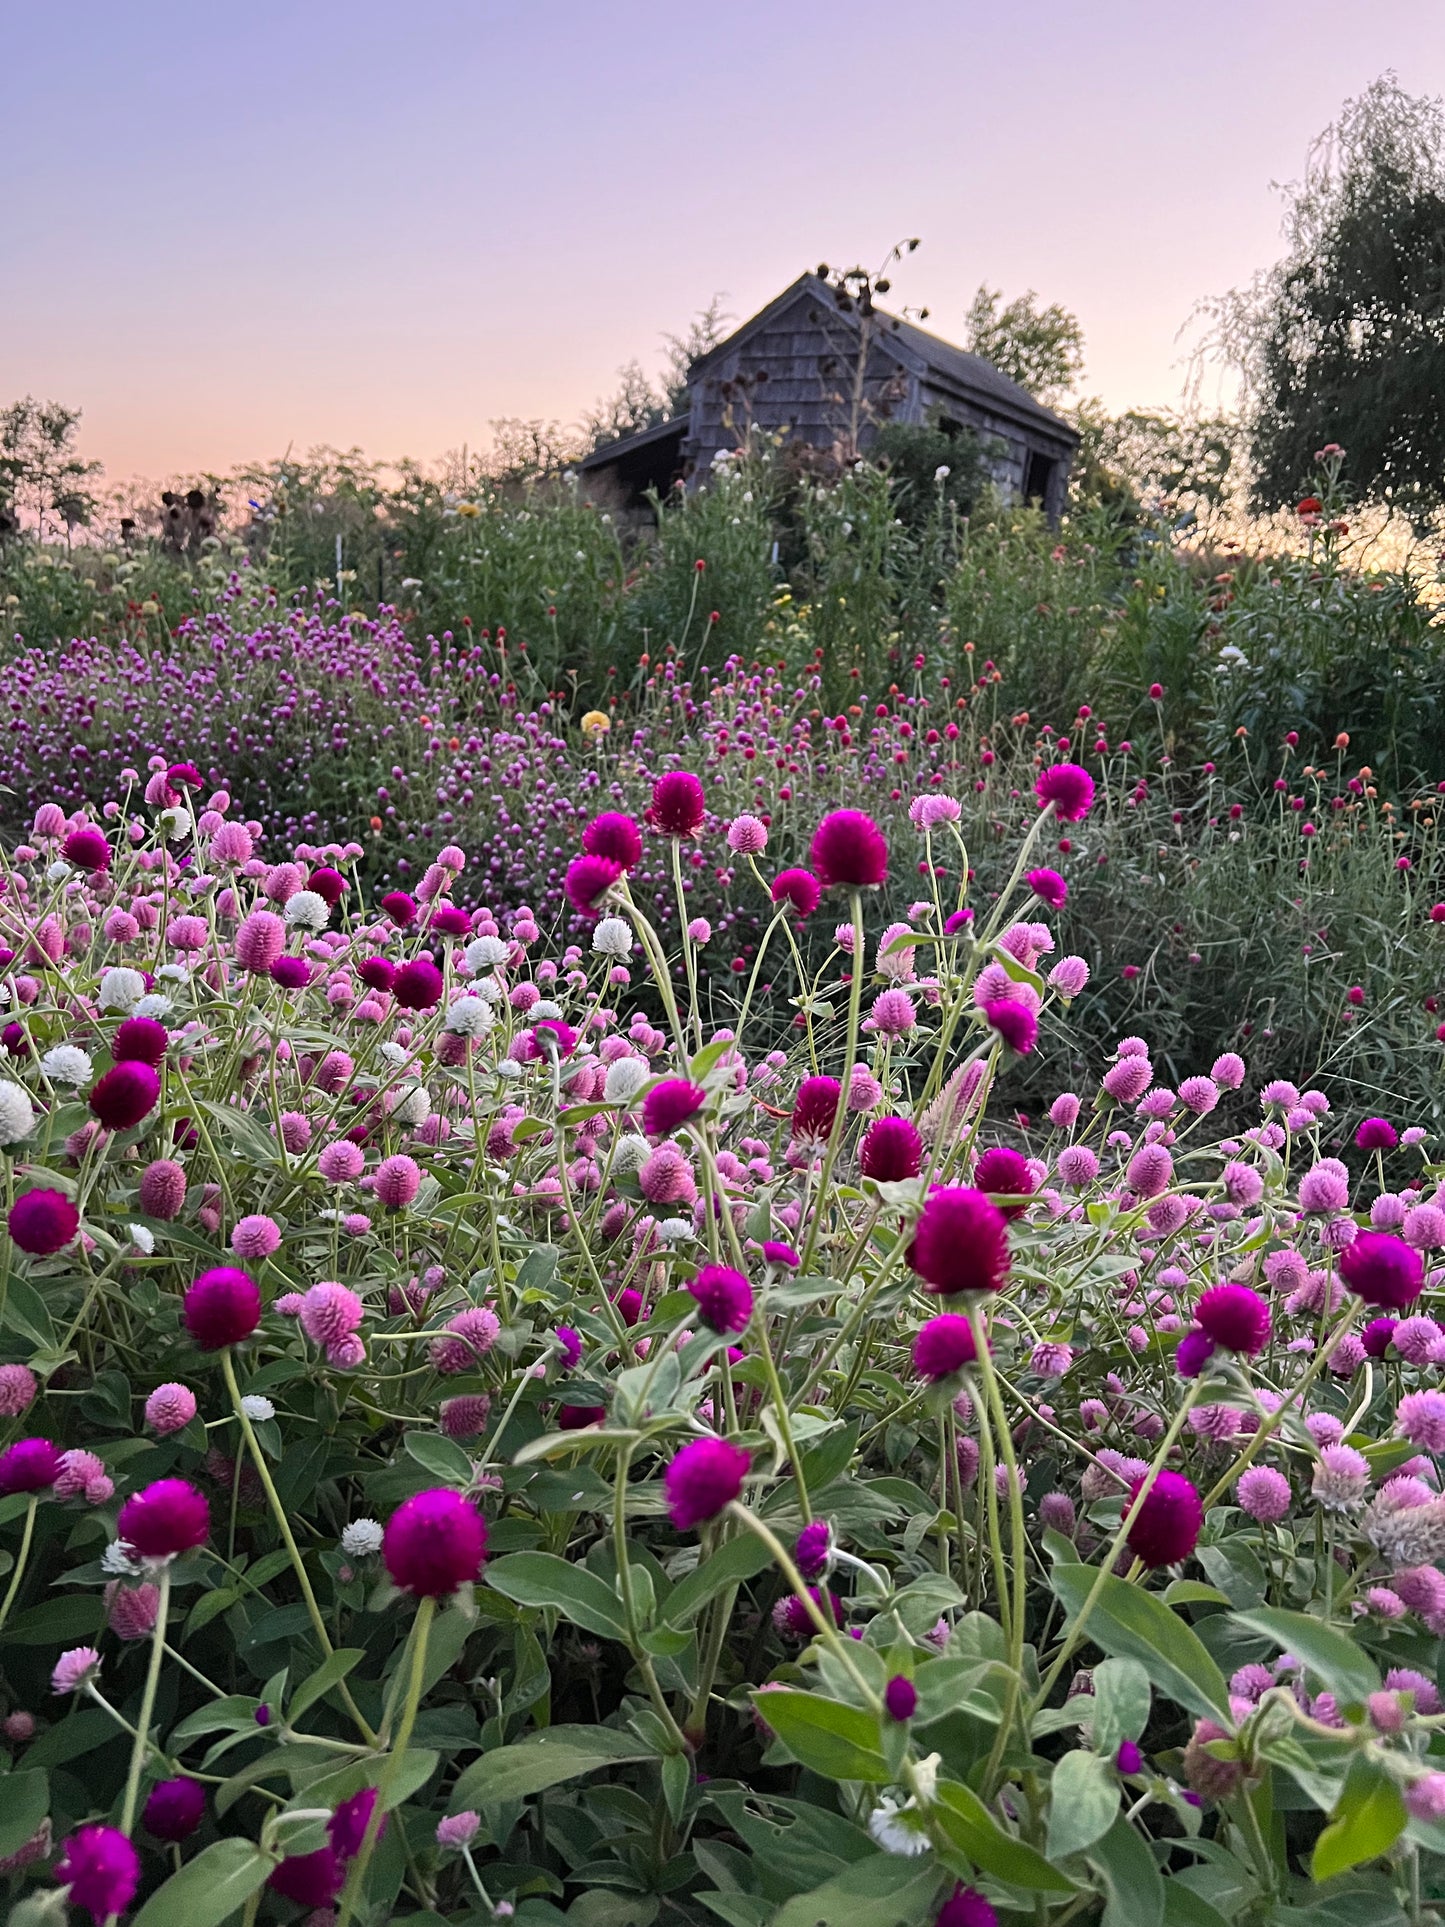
<point>67,1064</point>
<point>414,1106</point>
<point>308,910</point>
<point>57,872</point>
<point>898,1829</point>
<point>154,1005</point>
<point>393,1052</point>
<point>613,937</point>
<point>625,1078</point>
<point>362,1538</point>
<point>257,1408</point>
<point>17,1115</point>
<point>175,823</point>
<point>174,974</point>
<point>485,953</point>
<point>121,988</point>
<point>673,1230</point>
<point>469,1017</point>
<point>143,1238</point>
<point>509,1068</point>
<point>116,1560</point>
<point>631,1154</point>
<point>545,1011</point>
<point>489,989</point>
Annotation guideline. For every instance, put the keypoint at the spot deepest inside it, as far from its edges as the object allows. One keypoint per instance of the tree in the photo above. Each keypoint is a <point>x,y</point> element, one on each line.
<point>1042,349</point>
<point>1343,340</point>
<point>41,476</point>
<point>638,402</point>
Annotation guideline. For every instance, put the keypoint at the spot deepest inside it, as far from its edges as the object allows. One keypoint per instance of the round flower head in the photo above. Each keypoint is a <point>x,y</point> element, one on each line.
<point>614,836</point>
<point>43,1221</point>
<point>101,1869</point>
<point>434,1542</point>
<point>17,1114</point>
<point>587,882</point>
<point>1420,1418</point>
<point>163,1189</point>
<point>891,1151</point>
<point>1049,887</point>
<point>126,1094</point>
<point>1014,1022</point>
<point>347,1827</point>
<point>309,1879</point>
<point>670,1104</point>
<point>815,1108</point>
<point>1167,1525</point>
<point>141,1040</point>
<point>1376,1134</point>
<point>1382,1270</point>
<point>341,1161</point>
<point>170,1408</point>
<point>164,1519</point>
<point>849,850</point>
<point>468,1337</point>
<point>724,1298</point>
<point>87,849</point>
<point>814,1549</point>
<point>291,973</point>
<point>705,1476</point>
<point>1193,1353</point>
<point>893,1014</point>
<point>418,985</point>
<point>465,1417</point>
<point>1264,1494</point>
<point>329,885</point>
<point>256,1236</point>
<point>398,1179</point>
<point>747,836</point>
<point>29,1465</point>
<point>377,973</point>
<point>259,942</point>
<point>1325,1187</point>
<point>678,804</point>
<point>966,1907</point>
<point>1234,1317</point>
<point>799,889</point>
<point>943,1346</point>
<point>1150,1171</point>
<point>223,1307</point>
<point>1004,1172</point>
<point>329,1313</point>
<point>960,1242</point>
<point>400,907</point>
<point>1068,789</point>
<point>18,1389</point>
<point>174,1809</point>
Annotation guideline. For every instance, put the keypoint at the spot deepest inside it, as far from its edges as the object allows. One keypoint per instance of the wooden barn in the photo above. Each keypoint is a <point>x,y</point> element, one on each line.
<point>829,376</point>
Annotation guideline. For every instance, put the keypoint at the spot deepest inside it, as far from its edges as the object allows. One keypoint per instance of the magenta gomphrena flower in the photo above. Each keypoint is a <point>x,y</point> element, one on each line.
<point>747,836</point>
<point>670,1104</point>
<point>1068,789</point>
<point>614,836</point>
<point>223,1307</point>
<point>569,1347</point>
<point>666,1177</point>
<point>1167,1525</point>
<point>164,1519</point>
<point>1376,1134</point>
<point>260,941</point>
<point>1049,887</point>
<point>705,1476</point>
<point>465,1417</point>
<point>587,882</point>
<point>101,1869</point>
<point>1193,1352</point>
<point>1013,1022</point>
<point>960,1242</point>
<point>170,1408</point>
<point>18,1389</point>
<point>398,1179</point>
<point>1234,1317</point>
<point>126,1094</point>
<point>891,1151</point>
<point>458,1830</point>
<point>468,1337</point>
<point>900,1698</point>
<point>1199,1095</point>
<point>1325,1188</point>
<point>1003,1172</point>
<point>1242,1184</point>
<point>310,1879</point>
<point>966,1907</point>
<point>434,1542</point>
<point>417,985</point>
<point>815,1107</point>
<point>1127,1081</point>
<point>1420,1418</point>
<point>1382,1270</point>
<point>163,1189</point>
<point>678,804</point>
<point>1264,1494</point>
<point>29,1465</point>
<point>814,1549</point>
<point>1150,1171</point>
<point>1078,1166</point>
<point>849,851</point>
<point>43,1221</point>
<point>347,1827</point>
<point>724,1298</point>
<point>892,1013</point>
<point>1069,977</point>
<point>798,889</point>
<point>174,1809</point>
<point>87,849</point>
<point>330,1312</point>
<point>256,1237</point>
<point>142,1039</point>
<point>341,1161</point>
<point>1228,1071</point>
<point>1341,1478</point>
<point>943,1346</point>
<point>1425,1797</point>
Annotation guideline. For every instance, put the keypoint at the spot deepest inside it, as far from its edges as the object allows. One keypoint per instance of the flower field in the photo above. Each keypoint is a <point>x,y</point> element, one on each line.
<point>679,1363</point>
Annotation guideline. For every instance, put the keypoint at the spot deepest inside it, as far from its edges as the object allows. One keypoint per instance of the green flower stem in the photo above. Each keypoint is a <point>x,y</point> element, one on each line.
<point>689,962</point>
<point>419,1636</point>
<point>840,1114</point>
<point>147,1705</point>
<point>641,1659</point>
<point>1018,1543</point>
<point>21,1558</point>
<point>823,1621</point>
<point>278,1512</point>
<point>780,1408</point>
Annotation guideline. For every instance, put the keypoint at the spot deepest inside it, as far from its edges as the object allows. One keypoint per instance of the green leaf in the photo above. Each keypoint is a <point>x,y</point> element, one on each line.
<point>971,1826</point>
<point>740,1559</point>
<point>1132,1624</point>
<point>882,1891</point>
<point>1083,1803</point>
<point>441,1458</point>
<point>542,1579</point>
<point>328,1674</point>
<point>840,1742</point>
<point>1344,1667</point>
<point>1122,1696</point>
<point>24,1803</point>
<point>1367,1822</point>
<point>543,1760</point>
<point>57,1622</point>
<point>1134,1892</point>
<point>210,1888</point>
<point>76,1735</point>
<point>1183,1907</point>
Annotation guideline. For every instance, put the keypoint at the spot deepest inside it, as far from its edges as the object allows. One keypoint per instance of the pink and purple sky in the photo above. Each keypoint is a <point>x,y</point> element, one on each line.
<point>295,221</point>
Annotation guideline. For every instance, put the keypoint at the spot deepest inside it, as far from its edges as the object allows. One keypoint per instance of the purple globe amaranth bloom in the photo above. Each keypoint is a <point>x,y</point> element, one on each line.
<point>1049,887</point>
<point>174,1809</point>
<point>1376,1134</point>
<point>799,889</point>
<point>678,804</point>
<point>670,1104</point>
<point>1377,1336</point>
<point>1167,1525</point>
<point>164,1519</point>
<point>126,1094</point>
<point>587,882</point>
<point>88,849</point>
<point>102,1870</point>
<point>943,1346</point>
<point>960,1242</point>
<point>1383,1270</point>
<point>401,908</point>
<point>434,1542</point>
<point>223,1307</point>
<point>614,836</point>
<point>814,1549</point>
<point>849,851</point>
<point>1234,1317</point>
<point>141,1040</point>
<point>815,1107</point>
<point>29,1465</point>
<point>569,1347</point>
<point>724,1298</point>
<point>43,1221</point>
<point>891,1151</point>
<point>775,1252</point>
<point>377,973</point>
<point>1193,1353</point>
<point>702,1479</point>
<point>310,1879</point>
<point>1003,1172</point>
<point>1264,1494</point>
<point>1014,1022</point>
<point>966,1907</point>
<point>418,985</point>
<point>291,973</point>
<point>346,1829</point>
<point>1068,789</point>
<point>900,1698</point>
<point>1128,1759</point>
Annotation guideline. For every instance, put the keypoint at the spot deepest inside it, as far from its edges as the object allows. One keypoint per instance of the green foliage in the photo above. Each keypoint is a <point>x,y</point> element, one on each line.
<point>1041,348</point>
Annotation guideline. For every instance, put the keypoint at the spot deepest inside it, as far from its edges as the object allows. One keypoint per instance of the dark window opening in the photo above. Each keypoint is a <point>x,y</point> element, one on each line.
<point>1038,474</point>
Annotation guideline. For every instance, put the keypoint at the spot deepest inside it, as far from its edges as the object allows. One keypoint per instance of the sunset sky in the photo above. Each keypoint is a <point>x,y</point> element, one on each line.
<point>229,230</point>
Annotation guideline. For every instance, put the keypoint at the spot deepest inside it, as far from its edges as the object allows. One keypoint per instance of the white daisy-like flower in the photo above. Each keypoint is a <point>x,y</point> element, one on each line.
<point>625,1078</point>
<point>116,1560</point>
<point>154,1005</point>
<point>257,1408</point>
<point>362,1538</point>
<point>121,988</point>
<point>143,1238</point>
<point>17,1114</point>
<point>470,1017</point>
<point>175,823</point>
<point>67,1064</point>
<point>57,872</point>
<point>613,937</point>
<point>414,1106</point>
<point>308,910</point>
<point>898,1829</point>
<point>485,953</point>
<point>631,1154</point>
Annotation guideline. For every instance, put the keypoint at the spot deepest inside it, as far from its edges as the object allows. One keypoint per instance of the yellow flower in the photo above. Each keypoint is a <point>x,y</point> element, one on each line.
<point>595,723</point>
<point>468,509</point>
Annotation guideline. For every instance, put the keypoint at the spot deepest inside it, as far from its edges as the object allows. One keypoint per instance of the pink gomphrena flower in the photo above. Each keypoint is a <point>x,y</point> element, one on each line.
<point>125,1096</point>
<point>1078,1166</point>
<point>170,1408</point>
<point>222,1307</point>
<point>165,1519</point>
<point>1049,887</point>
<point>1420,1418</point>
<point>1424,1227</point>
<point>588,881</point>
<point>1069,977</point>
<point>101,1870</point>
<point>724,1298</point>
<point>614,836</point>
<point>666,1177</point>
<point>131,1611</point>
<point>928,811</point>
<point>43,1221</point>
<point>747,836</point>
<point>1242,1183</point>
<point>163,1189</point>
<point>1383,1271</point>
<point>702,1480</point>
<point>74,1669</point>
<point>1199,1095</point>
<point>259,942</point>
<point>864,1090</point>
<point>458,1830</point>
<point>465,1417</point>
<point>1325,1188</point>
<point>1234,1317</point>
<point>892,1013</point>
<point>1341,1478</point>
<point>960,1242</point>
<point>83,1476</point>
<point>798,890</point>
<point>1002,1172</point>
<point>341,1162</point>
<point>1150,1171</point>
<point>434,1544</point>
<point>397,1181</point>
<point>891,1151</point>
<point>670,1104</point>
<point>18,1390</point>
<point>849,851</point>
<point>256,1236</point>
<point>1127,1081</point>
<point>466,1340</point>
<point>1066,789</point>
<point>814,1109</point>
<point>330,1313</point>
<point>678,804</point>
<point>1167,1525</point>
<point>1264,1494</point>
<point>943,1346</point>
